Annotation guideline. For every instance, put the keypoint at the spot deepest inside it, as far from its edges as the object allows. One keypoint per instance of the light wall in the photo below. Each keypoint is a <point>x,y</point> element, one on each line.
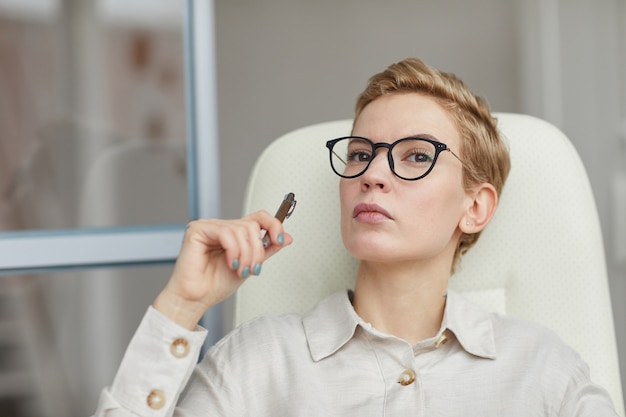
<point>284,64</point>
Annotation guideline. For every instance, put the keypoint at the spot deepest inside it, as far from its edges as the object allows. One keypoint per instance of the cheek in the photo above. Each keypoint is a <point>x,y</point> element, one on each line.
<point>436,208</point>
<point>348,193</point>
<point>344,190</point>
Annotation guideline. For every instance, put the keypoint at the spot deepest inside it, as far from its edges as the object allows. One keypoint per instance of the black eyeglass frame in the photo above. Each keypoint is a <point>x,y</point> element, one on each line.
<point>439,147</point>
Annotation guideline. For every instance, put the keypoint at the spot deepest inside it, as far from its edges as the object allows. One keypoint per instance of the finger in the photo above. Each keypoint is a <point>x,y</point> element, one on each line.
<point>275,248</point>
<point>257,250</point>
<point>273,227</point>
<point>276,234</point>
<point>232,248</point>
<point>262,218</point>
<point>231,238</point>
<point>245,240</point>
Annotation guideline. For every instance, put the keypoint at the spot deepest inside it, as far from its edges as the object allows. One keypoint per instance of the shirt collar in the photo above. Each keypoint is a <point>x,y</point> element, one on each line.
<point>332,323</point>
<point>471,325</point>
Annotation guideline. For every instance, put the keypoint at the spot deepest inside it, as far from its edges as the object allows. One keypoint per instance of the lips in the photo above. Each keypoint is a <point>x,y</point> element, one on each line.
<point>370,213</point>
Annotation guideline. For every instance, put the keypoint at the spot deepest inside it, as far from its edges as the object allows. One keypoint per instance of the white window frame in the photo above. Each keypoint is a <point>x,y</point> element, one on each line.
<point>38,251</point>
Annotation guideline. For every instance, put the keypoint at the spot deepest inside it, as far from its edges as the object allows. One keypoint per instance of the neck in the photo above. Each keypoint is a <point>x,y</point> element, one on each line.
<point>401,300</point>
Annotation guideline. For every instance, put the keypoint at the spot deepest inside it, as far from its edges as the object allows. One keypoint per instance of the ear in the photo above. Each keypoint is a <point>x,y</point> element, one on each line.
<point>482,203</point>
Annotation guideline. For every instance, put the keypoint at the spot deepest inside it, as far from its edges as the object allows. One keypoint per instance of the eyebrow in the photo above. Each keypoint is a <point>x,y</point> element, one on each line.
<point>424,136</point>
<point>414,136</point>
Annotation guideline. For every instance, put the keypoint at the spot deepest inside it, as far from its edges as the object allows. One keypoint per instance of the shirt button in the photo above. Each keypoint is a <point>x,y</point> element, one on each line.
<point>156,399</point>
<point>441,340</point>
<point>407,377</point>
<point>179,348</point>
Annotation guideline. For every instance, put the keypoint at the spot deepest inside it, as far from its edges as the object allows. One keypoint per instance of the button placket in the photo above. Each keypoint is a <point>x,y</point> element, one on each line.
<point>179,348</point>
<point>408,375</point>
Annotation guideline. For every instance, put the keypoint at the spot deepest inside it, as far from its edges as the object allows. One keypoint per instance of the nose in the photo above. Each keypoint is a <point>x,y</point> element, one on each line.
<point>378,173</point>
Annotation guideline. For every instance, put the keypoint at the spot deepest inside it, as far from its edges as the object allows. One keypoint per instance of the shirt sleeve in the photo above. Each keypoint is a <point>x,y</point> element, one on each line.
<point>583,398</point>
<point>155,369</point>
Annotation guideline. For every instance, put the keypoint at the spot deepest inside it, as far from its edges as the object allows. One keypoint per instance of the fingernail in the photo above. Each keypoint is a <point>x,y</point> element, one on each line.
<point>257,269</point>
<point>245,273</point>
<point>236,264</point>
<point>281,239</point>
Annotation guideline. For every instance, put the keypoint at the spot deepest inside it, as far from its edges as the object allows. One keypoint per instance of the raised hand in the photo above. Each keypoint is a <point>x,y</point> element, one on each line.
<point>215,259</point>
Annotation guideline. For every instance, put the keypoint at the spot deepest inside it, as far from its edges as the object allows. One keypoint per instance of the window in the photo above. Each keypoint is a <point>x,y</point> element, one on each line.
<point>102,163</point>
<point>98,139</point>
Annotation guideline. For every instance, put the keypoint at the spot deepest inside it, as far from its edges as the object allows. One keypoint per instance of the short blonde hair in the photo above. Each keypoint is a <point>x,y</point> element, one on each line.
<point>484,153</point>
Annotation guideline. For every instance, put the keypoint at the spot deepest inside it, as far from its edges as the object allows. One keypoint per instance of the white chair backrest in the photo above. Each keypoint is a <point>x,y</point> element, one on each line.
<point>541,258</point>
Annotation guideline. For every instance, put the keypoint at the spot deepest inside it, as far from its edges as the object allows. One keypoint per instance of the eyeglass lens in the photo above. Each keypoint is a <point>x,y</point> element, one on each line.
<point>411,158</point>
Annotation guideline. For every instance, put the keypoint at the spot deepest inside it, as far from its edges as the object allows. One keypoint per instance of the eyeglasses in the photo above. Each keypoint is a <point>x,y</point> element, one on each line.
<point>410,158</point>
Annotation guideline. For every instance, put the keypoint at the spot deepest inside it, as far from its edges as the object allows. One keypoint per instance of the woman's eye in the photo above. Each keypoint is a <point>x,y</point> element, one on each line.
<point>418,156</point>
<point>358,156</point>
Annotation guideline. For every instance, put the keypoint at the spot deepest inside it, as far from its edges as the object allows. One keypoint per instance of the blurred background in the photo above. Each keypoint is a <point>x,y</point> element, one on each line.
<point>94,133</point>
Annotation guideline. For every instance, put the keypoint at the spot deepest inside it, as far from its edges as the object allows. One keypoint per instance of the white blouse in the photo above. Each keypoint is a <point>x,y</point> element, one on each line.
<point>331,363</point>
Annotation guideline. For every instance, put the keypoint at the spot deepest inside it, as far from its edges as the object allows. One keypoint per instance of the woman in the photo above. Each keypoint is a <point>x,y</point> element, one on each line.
<point>420,179</point>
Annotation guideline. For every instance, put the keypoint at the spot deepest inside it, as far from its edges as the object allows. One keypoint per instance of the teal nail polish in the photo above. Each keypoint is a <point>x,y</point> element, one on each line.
<point>236,264</point>
<point>245,273</point>
<point>257,269</point>
<point>281,239</point>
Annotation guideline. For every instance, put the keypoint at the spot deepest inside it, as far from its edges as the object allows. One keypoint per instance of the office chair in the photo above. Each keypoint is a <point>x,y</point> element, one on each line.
<point>541,258</point>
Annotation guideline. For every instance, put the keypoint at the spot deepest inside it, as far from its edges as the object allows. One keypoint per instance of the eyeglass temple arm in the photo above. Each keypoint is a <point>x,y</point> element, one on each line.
<point>456,156</point>
<point>340,158</point>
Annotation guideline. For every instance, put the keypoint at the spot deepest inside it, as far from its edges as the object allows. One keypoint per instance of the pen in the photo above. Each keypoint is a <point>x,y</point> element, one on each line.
<point>283,212</point>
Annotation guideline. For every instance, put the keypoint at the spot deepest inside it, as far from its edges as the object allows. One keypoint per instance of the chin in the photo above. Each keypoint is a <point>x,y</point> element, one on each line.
<point>372,251</point>
<point>368,244</point>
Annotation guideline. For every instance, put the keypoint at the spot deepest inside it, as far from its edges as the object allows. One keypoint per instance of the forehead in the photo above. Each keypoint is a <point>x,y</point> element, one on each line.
<point>396,116</point>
